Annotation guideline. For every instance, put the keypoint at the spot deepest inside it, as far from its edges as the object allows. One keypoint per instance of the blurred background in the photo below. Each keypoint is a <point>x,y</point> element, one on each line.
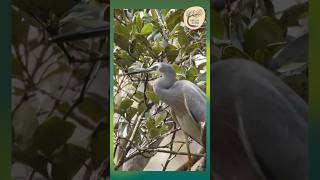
<point>60,89</point>
<point>273,33</point>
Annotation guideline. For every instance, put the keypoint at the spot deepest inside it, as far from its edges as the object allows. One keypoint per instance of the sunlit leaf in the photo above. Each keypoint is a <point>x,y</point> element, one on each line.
<point>126,103</point>
<point>177,68</point>
<point>152,96</point>
<point>147,29</point>
<point>174,19</point>
<point>142,107</point>
<point>192,74</point>
<point>121,36</point>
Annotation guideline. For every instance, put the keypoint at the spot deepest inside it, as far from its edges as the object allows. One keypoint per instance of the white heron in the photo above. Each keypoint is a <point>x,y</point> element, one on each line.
<point>259,125</point>
<point>187,100</point>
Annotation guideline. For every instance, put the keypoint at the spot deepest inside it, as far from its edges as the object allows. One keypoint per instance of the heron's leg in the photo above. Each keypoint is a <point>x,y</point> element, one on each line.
<point>188,151</point>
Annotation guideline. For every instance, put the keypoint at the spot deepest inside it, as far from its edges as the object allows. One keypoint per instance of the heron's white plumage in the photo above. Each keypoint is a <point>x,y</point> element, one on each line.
<point>187,100</point>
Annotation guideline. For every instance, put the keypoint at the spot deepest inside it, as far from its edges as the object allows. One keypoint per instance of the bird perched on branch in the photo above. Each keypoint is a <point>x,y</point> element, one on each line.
<point>187,100</point>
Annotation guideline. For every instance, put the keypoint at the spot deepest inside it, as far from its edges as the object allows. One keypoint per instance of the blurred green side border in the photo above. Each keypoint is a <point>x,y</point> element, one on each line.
<point>5,84</point>
<point>314,89</point>
<point>158,4</point>
<point>5,92</point>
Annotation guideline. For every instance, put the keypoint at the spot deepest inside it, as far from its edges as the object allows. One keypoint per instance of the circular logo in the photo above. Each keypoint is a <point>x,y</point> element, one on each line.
<point>194,17</point>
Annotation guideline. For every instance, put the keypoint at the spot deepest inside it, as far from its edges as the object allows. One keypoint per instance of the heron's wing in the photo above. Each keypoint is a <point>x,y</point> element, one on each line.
<point>271,128</point>
<point>195,102</point>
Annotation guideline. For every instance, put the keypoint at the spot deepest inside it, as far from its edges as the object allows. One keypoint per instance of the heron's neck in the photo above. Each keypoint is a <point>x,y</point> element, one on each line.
<point>162,86</point>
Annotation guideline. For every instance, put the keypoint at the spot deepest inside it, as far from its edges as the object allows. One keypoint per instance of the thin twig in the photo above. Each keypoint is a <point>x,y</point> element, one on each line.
<point>82,93</point>
<point>171,149</point>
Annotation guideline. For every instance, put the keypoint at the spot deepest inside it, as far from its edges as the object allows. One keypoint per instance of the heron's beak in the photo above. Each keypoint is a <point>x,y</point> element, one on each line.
<point>140,71</point>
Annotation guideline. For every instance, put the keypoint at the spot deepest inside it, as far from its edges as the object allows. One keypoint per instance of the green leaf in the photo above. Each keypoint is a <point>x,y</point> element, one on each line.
<point>292,67</point>
<point>263,56</point>
<point>53,133</point>
<point>131,112</point>
<point>192,74</point>
<point>126,103</point>
<point>25,124</point>
<point>153,131</point>
<point>99,145</point>
<point>121,36</point>
<point>142,107</point>
<point>150,123</point>
<point>161,118</point>
<point>19,91</point>
<point>138,22</point>
<point>183,38</point>
<point>291,16</point>
<point>31,158</point>
<point>16,69</point>
<point>147,29</point>
<point>152,96</point>
<point>92,109</point>
<point>62,68</point>
<point>176,68</point>
<point>157,48</point>
<point>172,52</point>
<point>264,32</point>
<point>21,28</point>
<point>217,24</point>
<point>63,107</point>
<point>174,19</point>
<point>86,15</point>
<point>68,161</point>
<point>193,46</point>
<point>123,59</point>
<point>295,51</point>
<point>233,52</point>
<point>142,40</point>
<point>139,95</point>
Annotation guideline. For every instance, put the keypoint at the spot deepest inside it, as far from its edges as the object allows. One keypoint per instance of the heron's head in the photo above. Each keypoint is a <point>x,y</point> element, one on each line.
<point>160,67</point>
